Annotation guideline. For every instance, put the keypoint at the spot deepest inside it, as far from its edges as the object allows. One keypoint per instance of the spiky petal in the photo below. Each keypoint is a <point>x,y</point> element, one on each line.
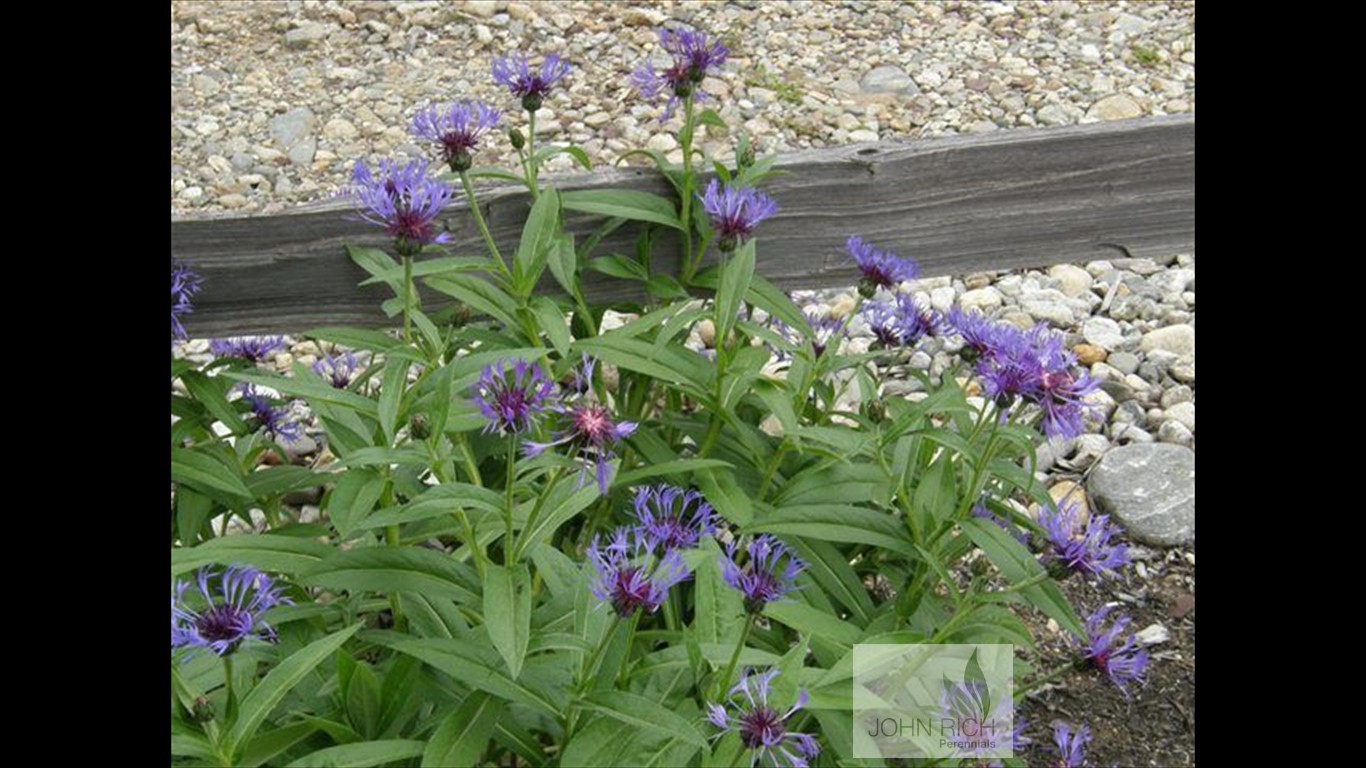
<point>762,727</point>
<point>233,603</point>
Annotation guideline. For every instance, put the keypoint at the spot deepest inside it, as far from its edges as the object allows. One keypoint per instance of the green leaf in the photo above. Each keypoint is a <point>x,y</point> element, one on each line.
<point>192,510</point>
<point>268,482</point>
<point>666,169</point>
<point>832,572</point>
<point>563,505</point>
<point>625,203</point>
<point>936,495</point>
<point>283,554</point>
<point>666,287</point>
<point>203,472</point>
<point>837,522</point>
<point>479,294</point>
<point>374,261</point>
<point>616,265</point>
<point>580,157</point>
<point>269,744</point>
<point>811,621</point>
<point>1018,564</point>
<point>564,263</point>
<point>386,570</point>
<point>356,338</point>
<point>479,666</point>
<point>312,389</point>
<point>212,393</point>
<point>257,705</point>
<point>354,498</point>
<point>674,469</point>
<point>409,455</point>
<point>734,284</point>
<point>709,117</point>
<point>391,395</point>
<point>671,365</point>
<point>361,692</point>
<point>718,485</point>
<point>362,754</point>
<point>720,609</point>
<point>463,735</point>
<point>550,318</point>
<point>639,712</point>
<point>507,610</point>
<point>538,234</point>
<point>431,267</point>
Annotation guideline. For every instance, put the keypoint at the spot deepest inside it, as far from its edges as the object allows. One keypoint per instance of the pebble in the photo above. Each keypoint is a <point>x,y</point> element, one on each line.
<point>1074,280</point>
<point>981,299</point>
<point>1177,339</point>
<point>1177,394</point>
<point>1150,490</point>
<point>1117,107</point>
<point>1176,433</point>
<point>888,79</point>
<point>1153,634</point>
<point>1088,354</point>
<point>1104,333</point>
<point>1182,413</point>
<point>1124,362</point>
<point>292,127</point>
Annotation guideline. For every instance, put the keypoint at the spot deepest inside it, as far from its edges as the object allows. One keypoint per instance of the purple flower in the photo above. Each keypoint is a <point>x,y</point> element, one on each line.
<point>511,398</point>
<point>233,604</point>
<point>630,576</point>
<point>514,72</point>
<point>969,705</point>
<point>760,726</point>
<point>735,212</point>
<point>1121,662</point>
<point>457,127</point>
<point>673,518</point>
<point>1071,747</point>
<point>979,333</point>
<point>339,370</point>
<point>826,331</point>
<point>591,433</point>
<point>693,59</point>
<point>279,421</point>
<point>184,284</point>
<point>1079,550</point>
<point>255,349</point>
<point>404,200</point>
<point>981,512</point>
<point>901,322</point>
<point>881,269</point>
<point>764,578</point>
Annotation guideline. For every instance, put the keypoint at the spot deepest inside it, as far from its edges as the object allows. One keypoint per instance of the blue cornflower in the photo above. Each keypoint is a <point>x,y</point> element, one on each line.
<point>589,431</point>
<point>404,200</point>
<point>762,728</point>
<point>339,370</point>
<point>514,72</point>
<point>881,269</point>
<point>735,212</point>
<point>1071,745</point>
<point>972,710</point>
<point>1121,662</point>
<point>978,332</point>
<point>184,284</point>
<point>234,602</point>
<point>825,332</point>
<point>673,518</point>
<point>255,349</point>
<point>765,578</point>
<point>901,321</point>
<point>629,575</point>
<point>511,398</point>
<point>278,420</point>
<point>457,127</point>
<point>694,58</point>
<point>1079,550</point>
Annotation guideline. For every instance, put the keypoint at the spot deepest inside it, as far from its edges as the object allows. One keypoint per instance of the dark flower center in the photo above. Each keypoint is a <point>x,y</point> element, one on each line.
<point>223,623</point>
<point>631,591</point>
<point>512,405</point>
<point>1102,660</point>
<point>592,424</point>
<point>761,727</point>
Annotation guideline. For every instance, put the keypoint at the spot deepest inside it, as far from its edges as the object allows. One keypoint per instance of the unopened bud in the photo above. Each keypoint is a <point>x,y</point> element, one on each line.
<point>203,710</point>
<point>515,136</point>
<point>419,426</point>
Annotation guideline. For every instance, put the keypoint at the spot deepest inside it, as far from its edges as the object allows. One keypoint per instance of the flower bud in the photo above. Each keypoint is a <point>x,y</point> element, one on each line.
<point>203,710</point>
<point>419,426</point>
<point>515,136</point>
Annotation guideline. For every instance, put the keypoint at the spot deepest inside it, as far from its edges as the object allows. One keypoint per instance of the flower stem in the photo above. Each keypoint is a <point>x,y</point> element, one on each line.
<point>511,504</point>
<point>685,137</point>
<point>536,511</point>
<point>407,299</point>
<point>734,657</point>
<point>626,657</point>
<point>479,222</point>
<point>227,682</point>
<point>531,158</point>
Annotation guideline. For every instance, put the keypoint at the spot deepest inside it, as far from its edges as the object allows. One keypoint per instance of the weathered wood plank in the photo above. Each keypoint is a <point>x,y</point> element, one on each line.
<point>956,204</point>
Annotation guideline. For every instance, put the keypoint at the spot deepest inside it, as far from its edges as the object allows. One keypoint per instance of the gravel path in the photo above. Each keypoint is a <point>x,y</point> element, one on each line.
<point>271,102</point>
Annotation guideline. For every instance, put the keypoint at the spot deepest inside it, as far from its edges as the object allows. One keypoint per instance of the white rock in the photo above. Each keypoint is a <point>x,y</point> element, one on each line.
<point>1177,339</point>
<point>984,299</point>
<point>1182,413</point>
<point>481,8</point>
<point>1102,332</point>
<point>942,299</point>
<point>1075,280</point>
<point>1153,634</point>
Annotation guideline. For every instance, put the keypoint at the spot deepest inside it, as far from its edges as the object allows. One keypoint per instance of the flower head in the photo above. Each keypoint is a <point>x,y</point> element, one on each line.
<point>901,322</point>
<point>233,604</point>
<point>404,200</point>
<point>184,285</point>
<point>339,370</point>
<point>1121,662</point>
<point>762,728</point>
<point>694,57</point>
<point>970,706</point>
<point>629,575</point>
<point>1071,745</point>
<point>279,422</point>
<point>735,211</point>
<point>1081,550</point>
<point>881,269</point>
<point>514,72</point>
<point>255,349</point>
<point>769,574</point>
<point>512,397</point>
<point>457,127</point>
<point>591,433</point>
<point>673,518</point>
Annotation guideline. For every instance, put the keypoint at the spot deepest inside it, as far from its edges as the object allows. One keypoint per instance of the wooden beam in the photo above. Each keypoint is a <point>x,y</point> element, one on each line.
<point>955,204</point>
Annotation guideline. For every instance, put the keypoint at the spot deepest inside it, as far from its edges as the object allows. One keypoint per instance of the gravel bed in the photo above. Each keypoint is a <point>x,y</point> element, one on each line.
<point>272,102</point>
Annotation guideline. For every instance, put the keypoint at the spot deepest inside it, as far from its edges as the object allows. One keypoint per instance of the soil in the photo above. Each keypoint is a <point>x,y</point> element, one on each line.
<point>1155,726</point>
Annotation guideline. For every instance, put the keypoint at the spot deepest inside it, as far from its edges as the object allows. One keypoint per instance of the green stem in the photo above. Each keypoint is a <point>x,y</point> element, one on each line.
<point>227,682</point>
<point>1039,682</point>
<point>407,299</point>
<point>772,468</point>
<point>685,205</point>
<point>1037,578</point>
<point>536,511</point>
<point>626,657</point>
<point>531,158</point>
<point>511,479</point>
<point>479,222</point>
<point>734,658</point>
